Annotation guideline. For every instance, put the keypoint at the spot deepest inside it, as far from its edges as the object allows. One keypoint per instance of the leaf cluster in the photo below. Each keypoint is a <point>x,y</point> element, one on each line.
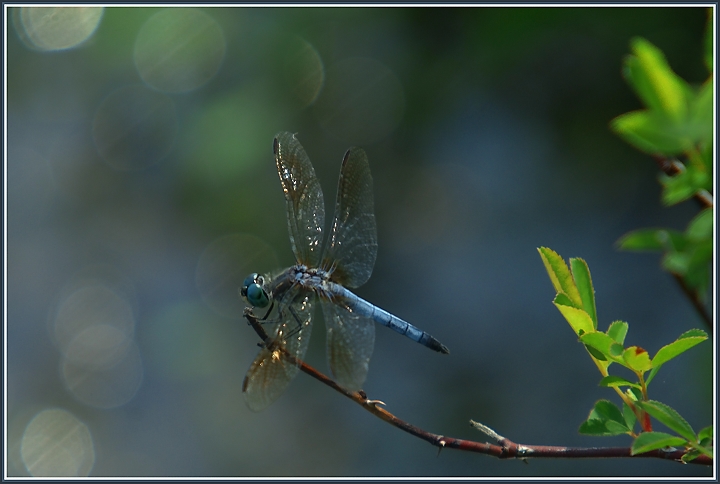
<point>677,122</point>
<point>575,299</point>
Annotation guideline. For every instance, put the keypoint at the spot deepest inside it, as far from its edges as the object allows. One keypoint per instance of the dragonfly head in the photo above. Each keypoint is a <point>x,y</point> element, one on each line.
<point>254,292</point>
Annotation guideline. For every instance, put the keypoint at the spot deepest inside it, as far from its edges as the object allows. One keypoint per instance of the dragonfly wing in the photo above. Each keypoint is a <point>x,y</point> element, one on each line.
<point>303,198</point>
<point>352,246</point>
<point>350,341</point>
<point>272,371</point>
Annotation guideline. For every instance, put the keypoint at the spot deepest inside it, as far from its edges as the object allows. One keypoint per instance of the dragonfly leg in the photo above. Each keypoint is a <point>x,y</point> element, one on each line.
<point>298,323</point>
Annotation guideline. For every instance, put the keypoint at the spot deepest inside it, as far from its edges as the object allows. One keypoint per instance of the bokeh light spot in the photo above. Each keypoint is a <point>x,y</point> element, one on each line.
<point>362,101</point>
<point>223,266</point>
<point>94,327</point>
<point>304,71</point>
<point>89,306</point>
<point>56,28</point>
<point>135,127</point>
<point>56,444</point>
<point>179,49</point>
<point>103,381</point>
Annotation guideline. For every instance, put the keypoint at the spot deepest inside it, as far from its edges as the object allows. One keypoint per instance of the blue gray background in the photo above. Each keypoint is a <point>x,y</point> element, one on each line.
<point>487,134</point>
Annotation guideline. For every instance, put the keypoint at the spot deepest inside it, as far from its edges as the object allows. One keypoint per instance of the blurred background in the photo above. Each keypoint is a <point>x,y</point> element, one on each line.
<point>141,189</point>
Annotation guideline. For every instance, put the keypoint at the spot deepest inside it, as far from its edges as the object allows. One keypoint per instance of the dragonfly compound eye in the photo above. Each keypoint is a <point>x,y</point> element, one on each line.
<point>257,296</point>
<point>249,280</point>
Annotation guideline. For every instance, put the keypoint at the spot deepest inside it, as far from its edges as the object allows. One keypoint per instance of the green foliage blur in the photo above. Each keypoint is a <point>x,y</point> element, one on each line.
<point>677,121</point>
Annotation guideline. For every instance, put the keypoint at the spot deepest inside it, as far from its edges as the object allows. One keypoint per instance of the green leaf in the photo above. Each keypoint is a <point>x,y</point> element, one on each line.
<point>700,122</point>
<point>648,441</point>
<point>637,359</point>
<point>707,157</point>
<point>700,227</point>
<point>680,187</point>
<point>629,416</point>
<point>652,239</point>
<point>583,282</point>
<point>579,320</point>
<point>690,455</point>
<point>616,381</point>
<point>682,344</point>
<point>706,433</point>
<point>652,374</point>
<point>652,133</point>
<point>595,353</point>
<point>560,275</point>
<point>563,300</point>
<point>653,80</point>
<point>676,262</point>
<point>698,267</point>
<point>602,343</point>
<point>604,419</point>
<point>668,417</point>
<point>617,331</point>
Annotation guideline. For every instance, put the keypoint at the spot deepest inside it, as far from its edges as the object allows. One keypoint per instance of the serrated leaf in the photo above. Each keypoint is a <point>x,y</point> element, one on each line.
<point>648,131</point>
<point>583,282</point>
<point>604,419</point>
<point>606,410</point>
<point>562,299</point>
<point>617,331</point>
<point>629,416</point>
<point>616,381</point>
<point>595,353</point>
<point>652,239</point>
<point>677,347</point>
<point>653,79</point>
<point>693,333</point>
<point>668,417</point>
<point>648,441</point>
<point>637,359</point>
<point>560,275</point>
<point>602,343</point>
<point>597,428</point>
<point>579,320</point>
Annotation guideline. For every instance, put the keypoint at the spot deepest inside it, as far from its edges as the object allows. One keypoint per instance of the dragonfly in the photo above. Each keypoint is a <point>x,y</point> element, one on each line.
<point>320,275</point>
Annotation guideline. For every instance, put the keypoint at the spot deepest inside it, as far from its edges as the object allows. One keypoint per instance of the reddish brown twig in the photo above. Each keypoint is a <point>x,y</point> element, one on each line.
<point>504,449</point>
<point>695,300</point>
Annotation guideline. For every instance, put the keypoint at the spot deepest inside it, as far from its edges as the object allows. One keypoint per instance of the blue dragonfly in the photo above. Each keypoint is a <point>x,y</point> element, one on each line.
<point>347,262</point>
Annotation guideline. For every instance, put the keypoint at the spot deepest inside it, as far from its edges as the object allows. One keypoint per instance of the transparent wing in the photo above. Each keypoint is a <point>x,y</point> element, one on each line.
<point>303,198</point>
<point>271,372</point>
<point>352,246</point>
<point>350,341</point>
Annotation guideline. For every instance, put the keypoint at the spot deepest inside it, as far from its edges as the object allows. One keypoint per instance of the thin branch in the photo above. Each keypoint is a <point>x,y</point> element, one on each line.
<point>673,167</point>
<point>505,449</point>
<point>695,300</point>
